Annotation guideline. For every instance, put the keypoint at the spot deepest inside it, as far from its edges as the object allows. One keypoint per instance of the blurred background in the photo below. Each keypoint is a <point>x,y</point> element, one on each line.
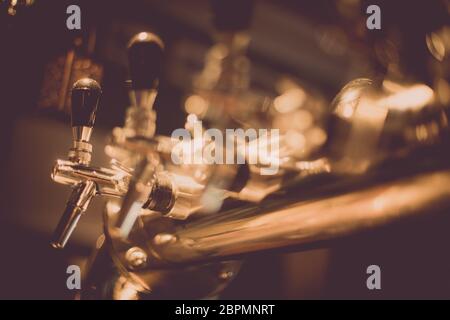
<point>321,43</point>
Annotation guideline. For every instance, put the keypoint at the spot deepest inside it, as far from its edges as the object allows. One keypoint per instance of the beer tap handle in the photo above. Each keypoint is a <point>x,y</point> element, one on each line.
<point>85,98</point>
<point>145,57</point>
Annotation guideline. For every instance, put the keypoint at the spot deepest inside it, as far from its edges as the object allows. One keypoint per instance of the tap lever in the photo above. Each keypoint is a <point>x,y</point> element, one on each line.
<point>76,206</point>
<point>85,98</point>
<point>145,57</point>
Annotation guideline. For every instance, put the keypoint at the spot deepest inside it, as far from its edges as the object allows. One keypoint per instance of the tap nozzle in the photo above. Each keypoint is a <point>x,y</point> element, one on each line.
<point>76,206</point>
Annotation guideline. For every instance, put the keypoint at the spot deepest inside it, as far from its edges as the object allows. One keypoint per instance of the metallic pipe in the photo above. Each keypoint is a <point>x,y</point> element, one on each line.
<point>246,231</point>
<point>78,202</point>
<point>109,182</point>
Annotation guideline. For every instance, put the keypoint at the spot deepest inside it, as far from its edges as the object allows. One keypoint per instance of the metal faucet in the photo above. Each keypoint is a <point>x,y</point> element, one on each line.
<point>85,180</point>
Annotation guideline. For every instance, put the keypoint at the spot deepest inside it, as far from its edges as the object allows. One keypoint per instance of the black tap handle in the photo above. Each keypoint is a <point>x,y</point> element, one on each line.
<point>85,98</point>
<point>145,58</point>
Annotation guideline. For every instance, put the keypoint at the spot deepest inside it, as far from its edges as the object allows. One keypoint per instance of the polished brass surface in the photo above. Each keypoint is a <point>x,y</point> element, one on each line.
<point>367,159</point>
<point>78,202</point>
<point>257,228</point>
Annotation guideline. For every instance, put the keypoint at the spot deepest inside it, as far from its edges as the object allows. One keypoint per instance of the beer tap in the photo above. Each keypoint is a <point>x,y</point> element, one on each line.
<point>85,98</point>
<point>87,181</point>
<point>145,54</point>
<point>136,137</point>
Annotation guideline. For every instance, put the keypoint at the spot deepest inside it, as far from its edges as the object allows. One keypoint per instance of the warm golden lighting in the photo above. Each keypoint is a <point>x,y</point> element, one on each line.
<point>196,105</point>
<point>316,136</point>
<point>436,46</point>
<point>295,140</point>
<point>347,100</point>
<point>124,290</point>
<point>142,36</point>
<point>408,98</point>
<point>290,100</point>
<point>112,207</point>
